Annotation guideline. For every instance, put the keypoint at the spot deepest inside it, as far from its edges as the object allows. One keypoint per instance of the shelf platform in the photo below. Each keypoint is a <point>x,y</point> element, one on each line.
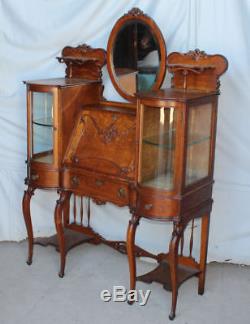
<point>72,239</point>
<point>161,274</point>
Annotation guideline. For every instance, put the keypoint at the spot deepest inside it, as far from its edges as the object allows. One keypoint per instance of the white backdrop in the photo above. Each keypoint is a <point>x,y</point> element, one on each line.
<point>32,34</point>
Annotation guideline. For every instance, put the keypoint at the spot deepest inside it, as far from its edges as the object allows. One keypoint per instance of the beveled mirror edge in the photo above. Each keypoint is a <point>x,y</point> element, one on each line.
<point>136,14</point>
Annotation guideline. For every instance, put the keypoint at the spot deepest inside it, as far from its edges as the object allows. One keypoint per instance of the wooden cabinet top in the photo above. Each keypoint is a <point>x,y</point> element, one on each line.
<point>175,94</point>
<point>61,82</point>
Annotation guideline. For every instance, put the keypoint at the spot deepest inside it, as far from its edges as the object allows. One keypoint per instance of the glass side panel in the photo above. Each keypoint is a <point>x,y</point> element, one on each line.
<point>158,147</point>
<point>198,142</point>
<point>42,127</point>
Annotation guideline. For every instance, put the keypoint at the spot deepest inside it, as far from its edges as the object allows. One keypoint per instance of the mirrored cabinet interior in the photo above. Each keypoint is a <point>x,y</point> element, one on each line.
<point>153,153</point>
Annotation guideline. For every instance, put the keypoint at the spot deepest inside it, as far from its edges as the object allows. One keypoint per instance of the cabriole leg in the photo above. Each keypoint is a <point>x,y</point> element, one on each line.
<point>27,218</point>
<point>60,206</point>
<point>203,252</point>
<point>133,223</point>
<point>173,263</point>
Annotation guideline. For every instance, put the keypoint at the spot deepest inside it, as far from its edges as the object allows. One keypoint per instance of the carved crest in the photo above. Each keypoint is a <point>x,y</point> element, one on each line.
<point>197,54</point>
<point>83,61</point>
<point>135,12</point>
<point>196,70</point>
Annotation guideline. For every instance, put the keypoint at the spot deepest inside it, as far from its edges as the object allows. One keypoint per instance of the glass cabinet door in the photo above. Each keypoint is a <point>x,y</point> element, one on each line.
<point>198,143</point>
<point>42,127</point>
<point>158,147</point>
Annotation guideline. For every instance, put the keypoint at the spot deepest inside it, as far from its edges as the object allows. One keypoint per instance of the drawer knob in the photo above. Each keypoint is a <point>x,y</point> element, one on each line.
<point>148,206</point>
<point>34,177</point>
<point>99,182</point>
<point>121,193</point>
<point>75,159</point>
<point>75,181</point>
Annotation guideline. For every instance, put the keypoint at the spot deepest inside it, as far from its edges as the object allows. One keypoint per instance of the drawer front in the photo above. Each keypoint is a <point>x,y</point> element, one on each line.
<point>43,178</point>
<point>158,207</point>
<point>97,187</point>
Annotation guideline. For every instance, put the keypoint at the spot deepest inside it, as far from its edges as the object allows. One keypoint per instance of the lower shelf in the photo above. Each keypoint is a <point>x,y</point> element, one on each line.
<point>72,239</point>
<point>161,274</point>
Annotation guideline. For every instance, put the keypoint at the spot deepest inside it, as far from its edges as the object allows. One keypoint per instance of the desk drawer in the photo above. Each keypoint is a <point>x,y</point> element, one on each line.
<point>97,187</point>
<point>43,178</point>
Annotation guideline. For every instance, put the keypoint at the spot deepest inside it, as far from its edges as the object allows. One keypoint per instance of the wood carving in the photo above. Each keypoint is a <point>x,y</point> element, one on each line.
<point>135,12</point>
<point>93,136</point>
<point>83,62</point>
<point>196,70</point>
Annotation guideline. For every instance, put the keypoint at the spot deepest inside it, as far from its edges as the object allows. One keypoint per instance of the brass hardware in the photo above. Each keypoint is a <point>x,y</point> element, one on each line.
<point>99,182</point>
<point>34,177</point>
<point>148,206</point>
<point>75,159</point>
<point>75,181</point>
<point>121,193</point>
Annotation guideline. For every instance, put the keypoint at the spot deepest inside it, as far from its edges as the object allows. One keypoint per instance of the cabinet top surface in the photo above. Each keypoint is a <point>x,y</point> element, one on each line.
<point>61,82</point>
<point>175,94</point>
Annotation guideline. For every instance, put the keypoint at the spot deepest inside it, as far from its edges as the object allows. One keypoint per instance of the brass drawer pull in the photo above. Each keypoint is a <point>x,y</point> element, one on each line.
<point>148,206</point>
<point>121,193</point>
<point>34,177</point>
<point>75,181</point>
<point>99,182</point>
<point>75,159</point>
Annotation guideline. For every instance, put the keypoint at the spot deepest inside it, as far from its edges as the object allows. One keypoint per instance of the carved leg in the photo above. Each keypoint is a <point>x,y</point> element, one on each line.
<point>60,206</point>
<point>203,252</point>
<point>27,218</point>
<point>173,263</point>
<point>66,211</point>
<point>131,250</point>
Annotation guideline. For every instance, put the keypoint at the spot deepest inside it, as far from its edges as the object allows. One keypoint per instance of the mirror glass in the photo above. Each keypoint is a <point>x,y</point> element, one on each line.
<point>136,57</point>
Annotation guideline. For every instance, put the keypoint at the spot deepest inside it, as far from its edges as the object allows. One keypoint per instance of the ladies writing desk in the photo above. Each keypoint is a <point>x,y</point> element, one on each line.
<point>154,154</point>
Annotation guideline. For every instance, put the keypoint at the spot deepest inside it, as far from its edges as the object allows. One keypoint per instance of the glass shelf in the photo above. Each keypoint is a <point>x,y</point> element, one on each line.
<point>44,121</point>
<point>165,140</point>
<point>164,181</point>
<point>48,158</point>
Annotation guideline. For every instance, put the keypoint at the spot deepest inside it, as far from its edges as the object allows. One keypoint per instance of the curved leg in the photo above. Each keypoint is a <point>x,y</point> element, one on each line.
<point>173,262</point>
<point>203,252</point>
<point>27,218</point>
<point>131,250</point>
<point>60,204</point>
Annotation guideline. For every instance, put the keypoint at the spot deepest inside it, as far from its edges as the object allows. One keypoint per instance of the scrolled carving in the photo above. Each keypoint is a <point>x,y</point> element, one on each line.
<point>135,12</point>
<point>197,54</point>
<point>129,169</point>
<point>196,70</point>
<point>83,61</point>
<point>80,49</point>
<point>98,202</point>
<point>108,134</point>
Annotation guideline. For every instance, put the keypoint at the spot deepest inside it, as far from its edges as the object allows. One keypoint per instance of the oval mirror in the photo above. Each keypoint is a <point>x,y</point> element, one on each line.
<point>136,55</point>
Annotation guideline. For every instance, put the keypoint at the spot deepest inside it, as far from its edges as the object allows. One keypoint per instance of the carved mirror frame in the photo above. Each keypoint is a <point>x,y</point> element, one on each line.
<point>136,15</point>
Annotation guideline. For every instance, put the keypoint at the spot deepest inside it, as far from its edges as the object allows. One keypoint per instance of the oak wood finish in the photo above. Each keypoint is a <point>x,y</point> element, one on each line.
<point>98,152</point>
<point>68,95</point>
<point>194,85</point>
<point>196,70</point>
<point>83,62</point>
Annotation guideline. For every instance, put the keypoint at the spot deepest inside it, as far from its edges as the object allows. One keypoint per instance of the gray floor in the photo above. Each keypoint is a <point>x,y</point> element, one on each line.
<point>35,294</point>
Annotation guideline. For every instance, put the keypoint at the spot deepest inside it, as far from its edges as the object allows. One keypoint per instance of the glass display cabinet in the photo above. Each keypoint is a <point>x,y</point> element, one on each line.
<point>52,107</point>
<point>176,130</point>
<point>153,154</point>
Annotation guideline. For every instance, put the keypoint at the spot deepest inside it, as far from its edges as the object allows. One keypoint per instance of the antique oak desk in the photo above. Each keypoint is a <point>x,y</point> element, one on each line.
<point>154,154</point>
